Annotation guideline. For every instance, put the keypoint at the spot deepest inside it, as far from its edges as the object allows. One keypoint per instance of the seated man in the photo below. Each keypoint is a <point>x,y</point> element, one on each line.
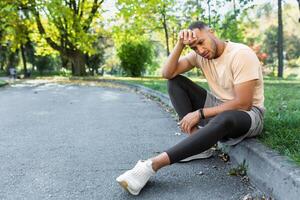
<point>232,111</point>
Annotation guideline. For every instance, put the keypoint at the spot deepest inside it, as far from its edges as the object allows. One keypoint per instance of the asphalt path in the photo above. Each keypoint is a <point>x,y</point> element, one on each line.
<point>71,142</point>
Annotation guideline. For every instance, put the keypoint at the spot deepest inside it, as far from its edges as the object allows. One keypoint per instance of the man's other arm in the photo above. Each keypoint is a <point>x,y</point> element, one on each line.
<point>175,65</point>
<point>243,100</point>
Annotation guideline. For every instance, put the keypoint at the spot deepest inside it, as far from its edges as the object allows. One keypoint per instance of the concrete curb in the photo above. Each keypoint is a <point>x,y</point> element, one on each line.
<point>274,174</point>
<point>271,172</point>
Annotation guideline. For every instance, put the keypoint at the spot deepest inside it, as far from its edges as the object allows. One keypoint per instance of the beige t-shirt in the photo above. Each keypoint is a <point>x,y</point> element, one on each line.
<point>236,65</point>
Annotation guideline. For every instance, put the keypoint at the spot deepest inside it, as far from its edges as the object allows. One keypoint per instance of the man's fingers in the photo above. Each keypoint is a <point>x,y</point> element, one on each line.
<point>181,34</point>
<point>190,35</point>
<point>185,127</point>
<point>193,34</point>
<point>185,35</point>
<point>189,128</point>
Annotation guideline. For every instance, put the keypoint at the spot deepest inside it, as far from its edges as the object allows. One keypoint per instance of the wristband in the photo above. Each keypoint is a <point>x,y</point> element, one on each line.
<point>201,113</point>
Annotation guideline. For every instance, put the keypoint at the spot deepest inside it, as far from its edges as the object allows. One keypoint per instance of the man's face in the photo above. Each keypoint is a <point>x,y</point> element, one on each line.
<point>205,45</point>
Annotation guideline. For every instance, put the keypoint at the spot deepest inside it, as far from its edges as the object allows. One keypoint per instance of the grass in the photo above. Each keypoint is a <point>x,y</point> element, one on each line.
<point>2,83</point>
<point>282,127</point>
<point>282,118</point>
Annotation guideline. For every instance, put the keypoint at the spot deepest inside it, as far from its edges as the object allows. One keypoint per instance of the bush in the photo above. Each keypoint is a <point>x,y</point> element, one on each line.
<point>135,56</point>
<point>45,63</point>
<point>294,63</point>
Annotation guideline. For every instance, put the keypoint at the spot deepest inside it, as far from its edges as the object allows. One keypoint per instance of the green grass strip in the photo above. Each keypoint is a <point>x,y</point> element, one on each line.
<point>2,83</point>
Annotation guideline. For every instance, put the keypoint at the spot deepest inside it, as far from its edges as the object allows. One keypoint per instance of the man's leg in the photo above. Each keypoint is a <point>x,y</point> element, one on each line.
<point>186,96</point>
<point>230,124</point>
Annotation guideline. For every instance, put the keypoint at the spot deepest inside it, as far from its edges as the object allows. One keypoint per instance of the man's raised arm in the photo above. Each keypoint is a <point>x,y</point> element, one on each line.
<point>174,65</point>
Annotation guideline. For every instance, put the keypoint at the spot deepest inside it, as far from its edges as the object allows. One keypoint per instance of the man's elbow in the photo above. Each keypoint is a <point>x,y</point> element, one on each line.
<point>245,106</point>
<point>166,75</point>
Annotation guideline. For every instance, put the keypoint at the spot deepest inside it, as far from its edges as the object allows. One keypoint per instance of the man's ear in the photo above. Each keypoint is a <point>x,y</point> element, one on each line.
<point>211,30</point>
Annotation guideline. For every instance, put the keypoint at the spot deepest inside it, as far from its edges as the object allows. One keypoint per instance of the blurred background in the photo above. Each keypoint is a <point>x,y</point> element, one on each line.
<point>134,37</point>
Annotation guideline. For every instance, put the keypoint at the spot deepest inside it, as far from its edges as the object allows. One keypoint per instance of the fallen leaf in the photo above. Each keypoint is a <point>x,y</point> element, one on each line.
<point>225,157</point>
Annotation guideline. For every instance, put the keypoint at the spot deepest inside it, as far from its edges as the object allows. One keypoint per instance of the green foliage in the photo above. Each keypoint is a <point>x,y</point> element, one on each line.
<point>94,61</point>
<point>74,29</point>
<point>69,28</point>
<point>231,29</point>
<point>68,24</point>
<point>13,59</point>
<point>270,44</point>
<point>292,46</point>
<point>294,63</point>
<point>46,63</point>
<point>135,56</point>
<point>2,83</point>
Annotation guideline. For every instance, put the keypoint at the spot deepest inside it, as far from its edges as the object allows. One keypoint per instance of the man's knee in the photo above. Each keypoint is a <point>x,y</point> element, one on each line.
<point>225,119</point>
<point>174,82</point>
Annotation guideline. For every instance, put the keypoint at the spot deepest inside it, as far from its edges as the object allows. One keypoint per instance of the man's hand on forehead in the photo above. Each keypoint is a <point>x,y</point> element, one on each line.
<point>187,37</point>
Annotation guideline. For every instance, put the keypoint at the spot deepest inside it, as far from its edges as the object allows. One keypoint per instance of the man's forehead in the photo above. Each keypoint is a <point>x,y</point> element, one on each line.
<point>200,33</point>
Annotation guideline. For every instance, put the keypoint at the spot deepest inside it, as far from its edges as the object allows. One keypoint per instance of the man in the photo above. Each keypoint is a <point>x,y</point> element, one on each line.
<point>232,111</point>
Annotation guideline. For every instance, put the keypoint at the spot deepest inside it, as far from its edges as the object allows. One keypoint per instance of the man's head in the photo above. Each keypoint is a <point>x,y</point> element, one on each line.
<point>206,43</point>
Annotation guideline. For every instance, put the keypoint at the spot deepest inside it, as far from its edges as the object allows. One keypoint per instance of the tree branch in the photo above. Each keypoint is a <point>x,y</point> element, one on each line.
<point>81,8</point>
<point>74,6</point>
<point>43,32</point>
<point>95,7</point>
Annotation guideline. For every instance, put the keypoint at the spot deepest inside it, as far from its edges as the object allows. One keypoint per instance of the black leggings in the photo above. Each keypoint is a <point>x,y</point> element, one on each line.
<point>186,97</point>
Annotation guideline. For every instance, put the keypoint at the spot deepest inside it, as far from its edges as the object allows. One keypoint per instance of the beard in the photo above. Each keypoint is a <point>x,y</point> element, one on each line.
<point>213,48</point>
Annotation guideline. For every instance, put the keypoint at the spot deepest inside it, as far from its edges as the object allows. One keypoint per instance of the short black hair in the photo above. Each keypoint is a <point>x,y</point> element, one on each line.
<point>198,24</point>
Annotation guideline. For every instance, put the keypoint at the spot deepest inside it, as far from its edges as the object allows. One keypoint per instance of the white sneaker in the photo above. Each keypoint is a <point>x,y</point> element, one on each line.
<point>205,154</point>
<point>135,179</point>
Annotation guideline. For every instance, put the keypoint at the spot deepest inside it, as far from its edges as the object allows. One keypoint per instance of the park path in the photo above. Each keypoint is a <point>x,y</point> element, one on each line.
<point>71,142</point>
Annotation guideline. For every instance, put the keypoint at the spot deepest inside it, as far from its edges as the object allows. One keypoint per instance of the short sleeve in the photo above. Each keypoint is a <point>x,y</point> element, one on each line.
<point>245,66</point>
<point>191,58</point>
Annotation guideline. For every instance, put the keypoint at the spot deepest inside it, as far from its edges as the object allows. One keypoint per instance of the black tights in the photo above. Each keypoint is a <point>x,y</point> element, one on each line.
<point>186,97</point>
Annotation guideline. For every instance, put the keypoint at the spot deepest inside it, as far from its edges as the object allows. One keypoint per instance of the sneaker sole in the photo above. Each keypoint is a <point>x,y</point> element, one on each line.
<point>198,157</point>
<point>124,185</point>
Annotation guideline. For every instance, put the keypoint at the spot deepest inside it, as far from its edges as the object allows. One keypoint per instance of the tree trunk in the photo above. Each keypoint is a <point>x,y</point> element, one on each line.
<point>64,61</point>
<point>280,41</point>
<point>234,9</point>
<point>166,33</point>
<point>299,9</point>
<point>24,60</point>
<point>78,61</point>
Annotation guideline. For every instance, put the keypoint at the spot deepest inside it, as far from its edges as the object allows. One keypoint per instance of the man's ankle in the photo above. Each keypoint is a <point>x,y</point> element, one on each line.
<point>160,161</point>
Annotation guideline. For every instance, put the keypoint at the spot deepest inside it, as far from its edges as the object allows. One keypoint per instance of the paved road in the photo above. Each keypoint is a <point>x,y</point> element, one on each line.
<point>71,142</point>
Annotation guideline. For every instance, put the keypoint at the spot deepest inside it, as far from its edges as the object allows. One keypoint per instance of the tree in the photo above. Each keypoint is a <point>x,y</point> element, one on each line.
<point>134,56</point>
<point>14,29</point>
<point>147,16</point>
<point>270,45</point>
<point>66,27</point>
<point>231,28</point>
